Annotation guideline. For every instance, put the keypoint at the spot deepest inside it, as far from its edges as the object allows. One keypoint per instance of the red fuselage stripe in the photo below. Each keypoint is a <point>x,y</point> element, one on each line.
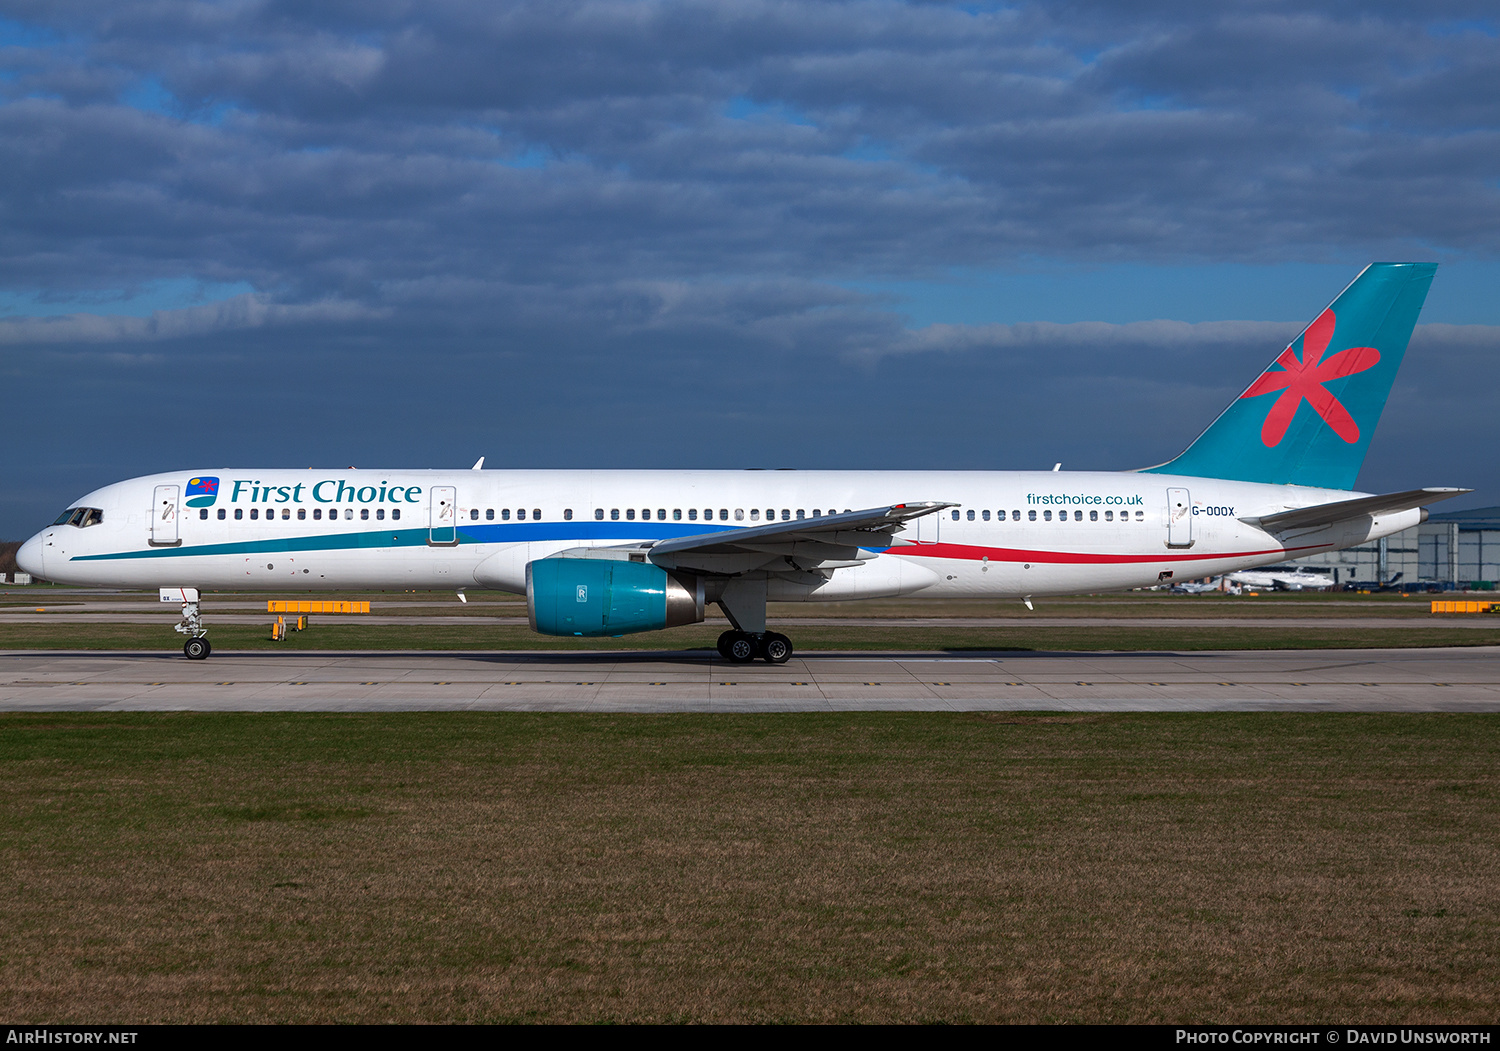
<point>970,552</point>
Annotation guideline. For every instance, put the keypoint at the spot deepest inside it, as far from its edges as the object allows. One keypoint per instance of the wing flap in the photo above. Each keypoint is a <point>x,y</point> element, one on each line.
<point>827,538</point>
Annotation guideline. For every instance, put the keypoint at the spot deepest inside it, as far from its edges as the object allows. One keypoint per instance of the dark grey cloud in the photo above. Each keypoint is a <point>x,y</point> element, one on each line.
<point>587,230</point>
<point>817,139</point>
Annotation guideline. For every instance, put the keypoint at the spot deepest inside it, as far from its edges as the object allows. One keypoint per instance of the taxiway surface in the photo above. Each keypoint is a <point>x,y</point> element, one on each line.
<point>1454,680</point>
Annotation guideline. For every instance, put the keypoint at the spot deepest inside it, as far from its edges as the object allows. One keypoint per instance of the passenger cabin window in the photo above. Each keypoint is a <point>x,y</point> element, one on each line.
<point>395,512</point>
<point>598,514</point>
<point>473,514</point>
<point>1093,516</point>
<point>1031,515</point>
<point>521,513</point>
<point>630,514</point>
<point>692,514</point>
<point>955,515</point>
<point>1140,516</point>
<point>221,514</point>
<point>239,512</point>
<point>800,515</point>
<point>301,514</point>
<point>755,514</point>
<point>567,514</point>
<point>971,516</point>
<point>985,515</point>
<point>739,514</point>
<point>489,514</point>
<point>286,514</point>
<point>379,514</point>
<point>1109,516</point>
<point>1046,516</point>
<point>505,514</point>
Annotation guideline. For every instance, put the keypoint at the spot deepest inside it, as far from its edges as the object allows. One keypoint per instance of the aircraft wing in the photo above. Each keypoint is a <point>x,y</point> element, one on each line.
<point>826,542</point>
<point>1342,510</point>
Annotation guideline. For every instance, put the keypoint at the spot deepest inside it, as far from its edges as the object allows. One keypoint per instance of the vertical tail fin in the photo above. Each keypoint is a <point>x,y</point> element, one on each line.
<point>1308,419</point>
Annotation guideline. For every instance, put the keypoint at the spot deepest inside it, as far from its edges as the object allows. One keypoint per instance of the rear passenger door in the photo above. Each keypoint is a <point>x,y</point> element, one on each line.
<point>1179,518</point>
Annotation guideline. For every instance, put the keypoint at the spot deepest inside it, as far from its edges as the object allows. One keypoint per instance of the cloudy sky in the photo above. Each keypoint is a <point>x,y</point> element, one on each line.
<point>862,235</point>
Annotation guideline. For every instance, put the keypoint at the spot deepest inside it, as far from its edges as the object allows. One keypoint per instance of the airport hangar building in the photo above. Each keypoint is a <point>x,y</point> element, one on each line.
<point>1454,548</point>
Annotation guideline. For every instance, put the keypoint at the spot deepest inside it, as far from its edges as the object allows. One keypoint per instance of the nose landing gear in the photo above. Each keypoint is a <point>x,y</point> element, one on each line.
<point>197,647</point>
<point>742,647</point>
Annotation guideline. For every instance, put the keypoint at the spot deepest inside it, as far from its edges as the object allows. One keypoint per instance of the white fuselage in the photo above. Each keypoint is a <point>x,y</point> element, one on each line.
<point>1011,534</point>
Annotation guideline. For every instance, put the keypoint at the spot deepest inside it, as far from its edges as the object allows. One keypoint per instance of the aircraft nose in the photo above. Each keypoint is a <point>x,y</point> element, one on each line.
<point>29,557</point>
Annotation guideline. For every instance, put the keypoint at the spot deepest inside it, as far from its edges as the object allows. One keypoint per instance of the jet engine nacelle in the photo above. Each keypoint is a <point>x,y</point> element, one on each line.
<point>608,596</point>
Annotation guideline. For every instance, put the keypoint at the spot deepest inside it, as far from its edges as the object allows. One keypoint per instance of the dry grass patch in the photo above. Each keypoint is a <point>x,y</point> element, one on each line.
<point>790,867</point>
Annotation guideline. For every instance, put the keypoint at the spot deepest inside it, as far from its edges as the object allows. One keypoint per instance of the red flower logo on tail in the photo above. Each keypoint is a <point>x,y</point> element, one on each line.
<point>1303,379</point>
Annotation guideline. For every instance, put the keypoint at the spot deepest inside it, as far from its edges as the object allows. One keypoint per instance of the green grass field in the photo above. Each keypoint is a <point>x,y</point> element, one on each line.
<point>857,867</point>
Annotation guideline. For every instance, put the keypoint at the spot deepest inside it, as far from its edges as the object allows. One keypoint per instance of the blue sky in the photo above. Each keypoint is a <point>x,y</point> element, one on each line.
<point>865,234</point>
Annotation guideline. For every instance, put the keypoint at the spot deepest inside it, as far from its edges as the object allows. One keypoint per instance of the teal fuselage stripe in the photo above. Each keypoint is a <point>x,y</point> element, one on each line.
<point>474,533</point>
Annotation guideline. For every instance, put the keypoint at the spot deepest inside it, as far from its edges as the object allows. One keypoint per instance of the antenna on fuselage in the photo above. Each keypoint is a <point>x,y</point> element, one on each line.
<point>477,464</point>
<point>1056,467</point>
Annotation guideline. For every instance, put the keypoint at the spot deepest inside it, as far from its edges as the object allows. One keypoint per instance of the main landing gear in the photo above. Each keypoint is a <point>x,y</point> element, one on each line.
<point>742,647</point>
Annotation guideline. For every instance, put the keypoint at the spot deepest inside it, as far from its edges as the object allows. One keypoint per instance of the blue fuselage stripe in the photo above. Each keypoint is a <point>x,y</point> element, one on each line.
<point>472,533</point>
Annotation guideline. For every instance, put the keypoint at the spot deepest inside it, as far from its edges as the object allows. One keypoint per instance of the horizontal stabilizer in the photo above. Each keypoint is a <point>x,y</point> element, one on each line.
<point>1343,510</point>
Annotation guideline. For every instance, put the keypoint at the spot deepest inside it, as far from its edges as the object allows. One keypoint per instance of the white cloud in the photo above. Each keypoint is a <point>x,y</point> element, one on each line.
<point>241,312</point>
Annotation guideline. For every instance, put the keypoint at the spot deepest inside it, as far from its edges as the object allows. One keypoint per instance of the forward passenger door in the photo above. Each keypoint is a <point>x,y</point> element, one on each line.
<point>442,527</point>
<point>165,507</point>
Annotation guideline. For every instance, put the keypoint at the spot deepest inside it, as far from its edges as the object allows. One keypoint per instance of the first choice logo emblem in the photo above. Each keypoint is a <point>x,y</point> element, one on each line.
<point>202,492</point>
<point>1302,380</point>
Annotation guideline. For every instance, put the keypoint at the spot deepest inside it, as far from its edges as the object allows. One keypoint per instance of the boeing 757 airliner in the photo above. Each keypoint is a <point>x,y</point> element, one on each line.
<point>605,553</point>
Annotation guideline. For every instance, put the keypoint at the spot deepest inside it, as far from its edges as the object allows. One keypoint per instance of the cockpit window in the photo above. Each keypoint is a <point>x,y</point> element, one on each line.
<point>81,517</point>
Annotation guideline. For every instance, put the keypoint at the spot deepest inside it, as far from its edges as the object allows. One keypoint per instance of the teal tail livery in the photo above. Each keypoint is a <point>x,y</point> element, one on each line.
<point>1308,419</point>
<point>606,553</point>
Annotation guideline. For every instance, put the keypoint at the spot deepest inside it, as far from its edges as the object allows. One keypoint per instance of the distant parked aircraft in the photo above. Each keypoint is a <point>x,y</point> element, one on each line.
<point>1281,579</point>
